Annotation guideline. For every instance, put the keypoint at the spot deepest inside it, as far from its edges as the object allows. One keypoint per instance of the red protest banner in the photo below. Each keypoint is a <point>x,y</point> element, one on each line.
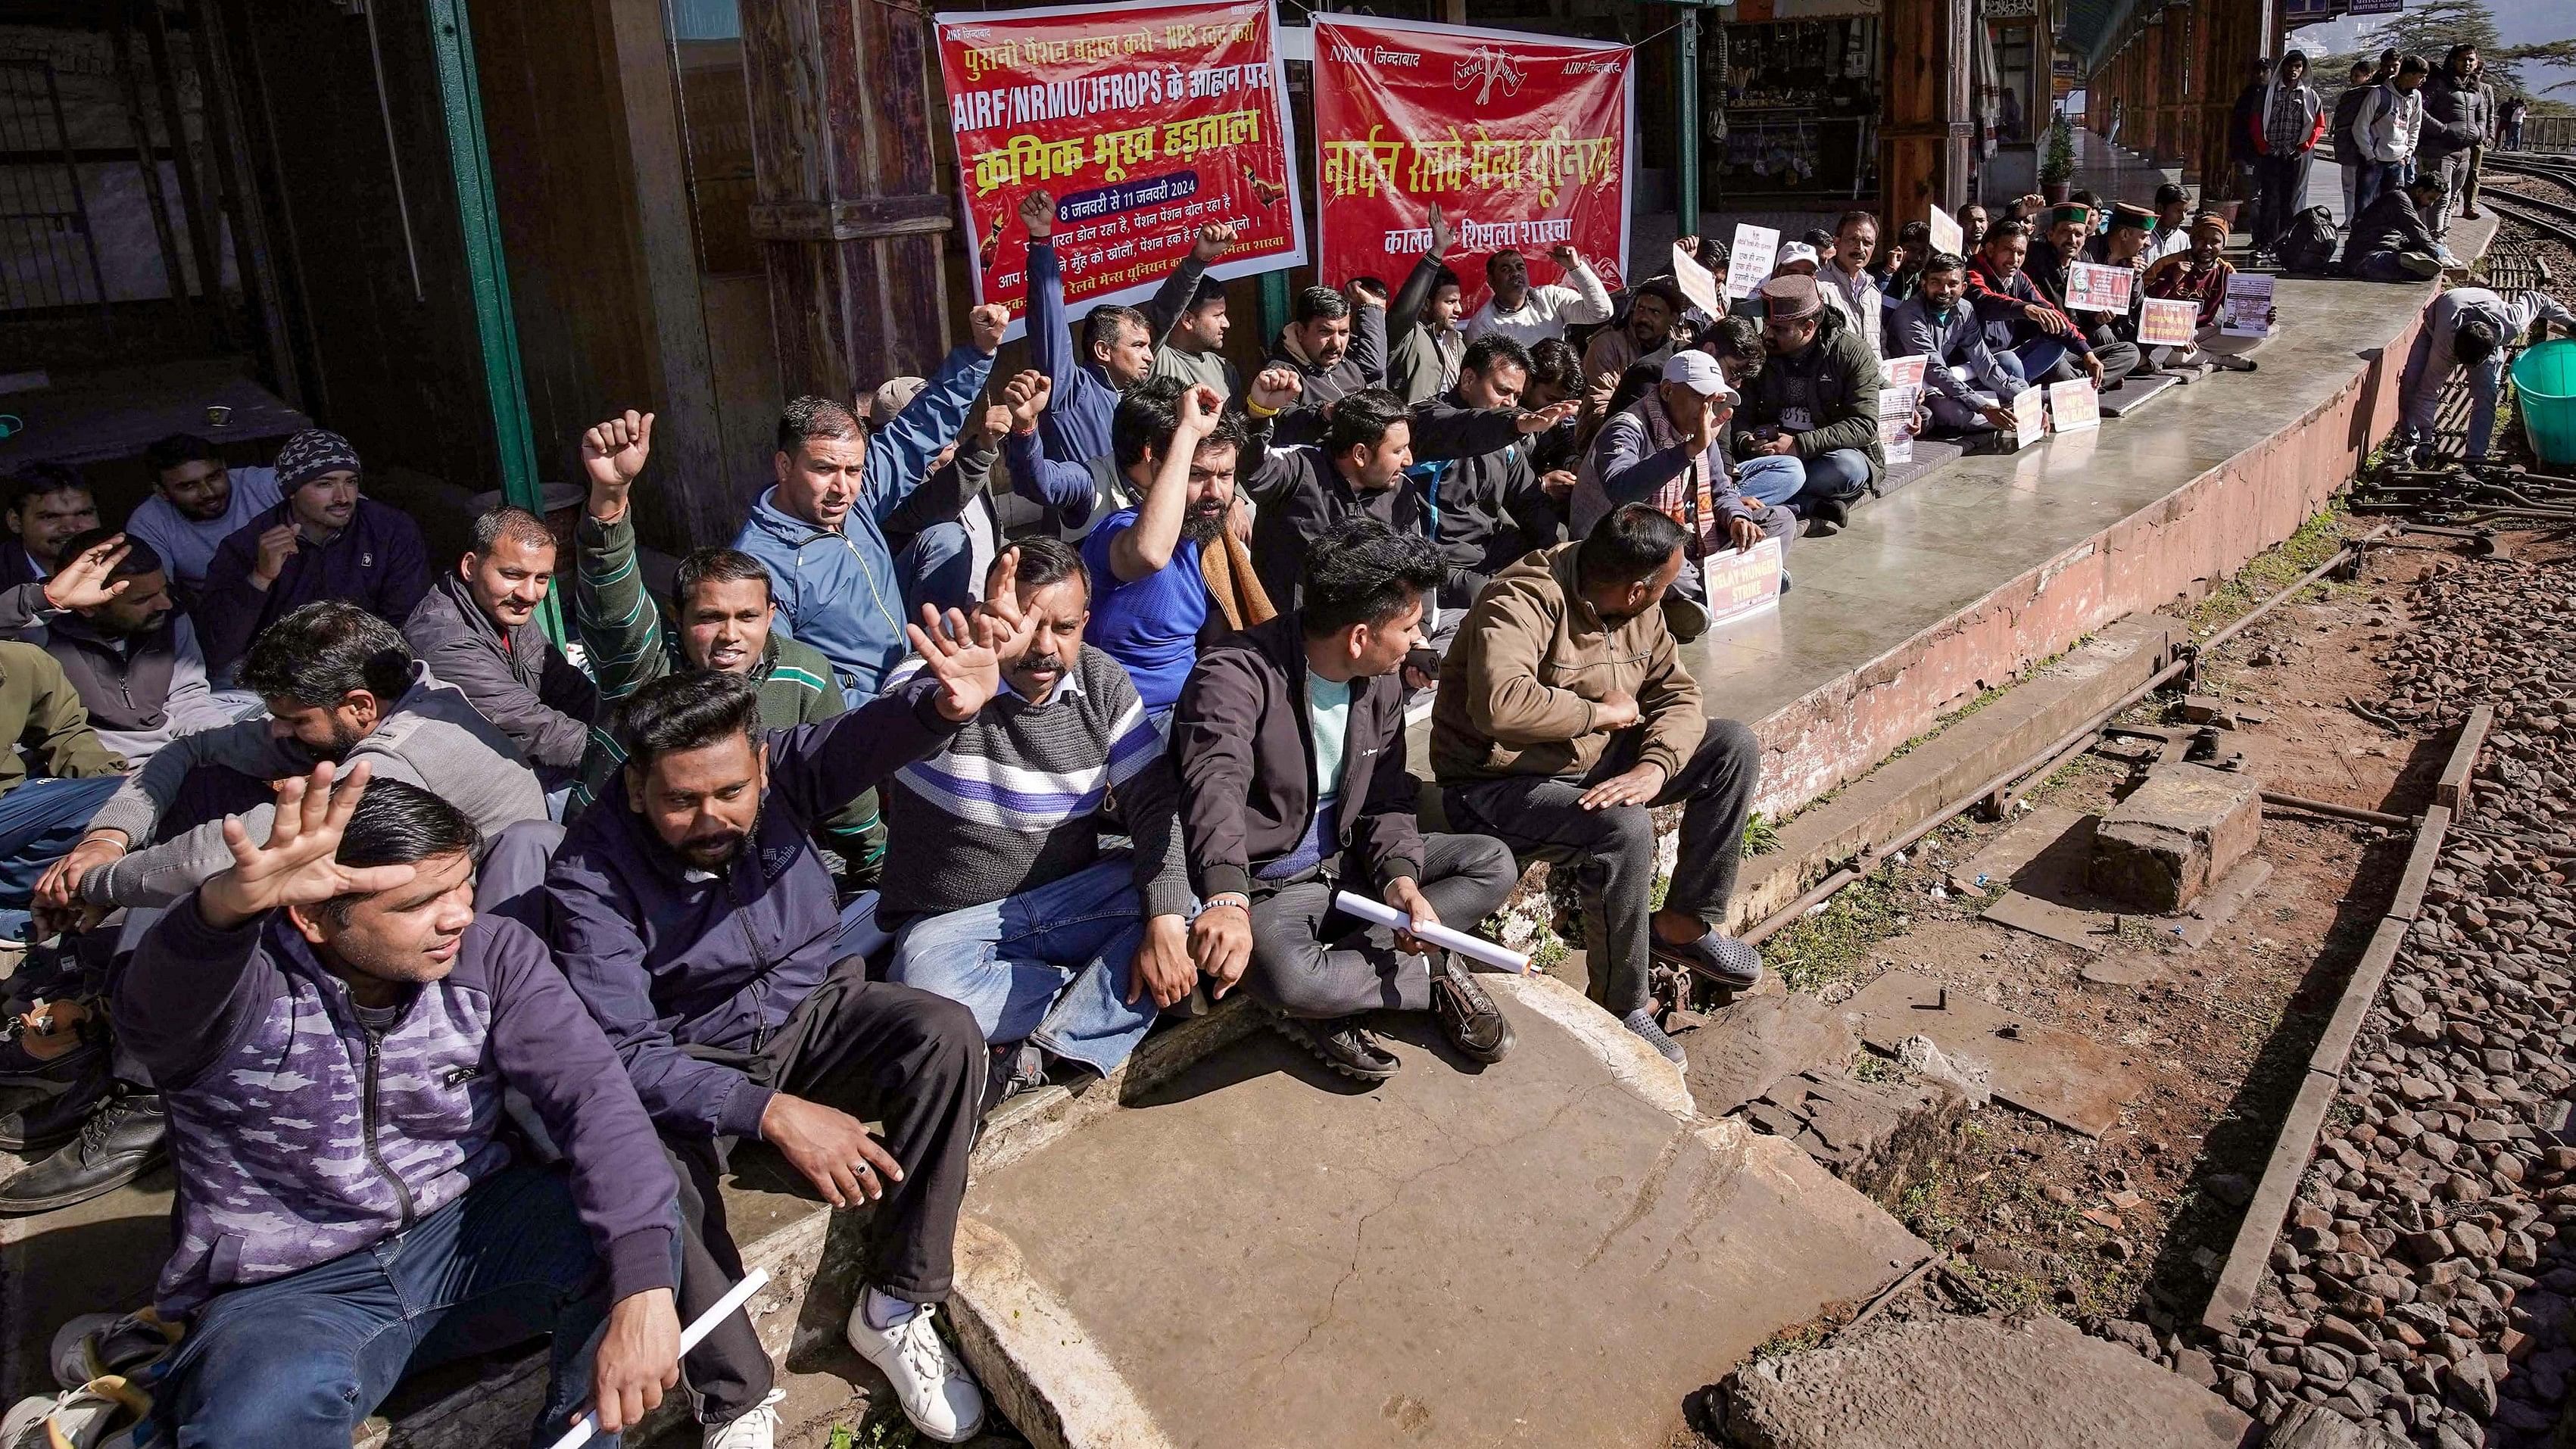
<point>1144,122</point>
<point>1522,139</point>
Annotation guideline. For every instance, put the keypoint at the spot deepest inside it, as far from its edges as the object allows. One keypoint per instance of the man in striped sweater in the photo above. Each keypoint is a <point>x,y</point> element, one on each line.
<point>996,886</point>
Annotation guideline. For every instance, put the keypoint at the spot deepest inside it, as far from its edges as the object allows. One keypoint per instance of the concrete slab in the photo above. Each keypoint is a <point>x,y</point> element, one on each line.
<point>1745,1049</point>
<point>1975,1383</point>
<point>2071,1080</point>
<point>1549,1251</point>
<point>2178,833</point>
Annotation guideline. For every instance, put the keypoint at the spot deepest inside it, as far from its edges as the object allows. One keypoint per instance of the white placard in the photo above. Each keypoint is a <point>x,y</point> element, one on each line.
<point>1749,263</point>
<point>1475,948</point>
<point>2247,311</point>
<point>2073,406</point>
<point>2030,416</point>
<point>1698,283</point>
<point>2092,287</point>
<point>2168,322</point>
<point>1947,234</point>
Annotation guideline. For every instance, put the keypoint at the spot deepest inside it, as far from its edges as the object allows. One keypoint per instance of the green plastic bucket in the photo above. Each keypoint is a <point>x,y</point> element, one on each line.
<point>2544,381</point>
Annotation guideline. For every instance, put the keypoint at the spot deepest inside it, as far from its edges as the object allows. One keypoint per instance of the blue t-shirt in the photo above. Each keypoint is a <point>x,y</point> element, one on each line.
<point>1151,625</point>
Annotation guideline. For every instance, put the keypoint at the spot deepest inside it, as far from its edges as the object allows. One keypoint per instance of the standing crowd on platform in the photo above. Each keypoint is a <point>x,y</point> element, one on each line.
<point>448,961</point>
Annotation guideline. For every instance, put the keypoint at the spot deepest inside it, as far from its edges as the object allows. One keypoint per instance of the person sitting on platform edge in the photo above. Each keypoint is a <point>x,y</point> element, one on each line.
<point>335,981</point>
<point>2390,242</point>
<point>2199,275</point>
<point>2468,328</point>
<point>1816,401</point>
<point>1965,386</point>
<point>324,542</point>
<point>2034,339</point>
<point>48,505</point>
<point>721,620</point>
<point>2049,266</point>
<point>698,923</point>
<point>1564,718</point>
<point>821,529</point>
<point>107,618</point>
<point>1290,743</point>
<point>1002,898</point>
<point>477,629</point>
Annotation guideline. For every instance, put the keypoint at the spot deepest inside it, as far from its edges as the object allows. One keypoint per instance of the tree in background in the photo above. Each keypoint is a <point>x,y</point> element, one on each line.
<point>2429,28</point>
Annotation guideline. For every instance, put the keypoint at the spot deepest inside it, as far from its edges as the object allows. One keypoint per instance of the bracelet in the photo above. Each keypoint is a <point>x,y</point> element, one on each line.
<point>1236,899</point>
<point>1256,409</point>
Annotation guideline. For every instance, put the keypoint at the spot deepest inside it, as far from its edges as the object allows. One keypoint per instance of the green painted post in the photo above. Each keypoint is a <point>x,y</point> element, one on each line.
<point>469,160</point>
<point>1686,127</point>
<point>1274,305</point>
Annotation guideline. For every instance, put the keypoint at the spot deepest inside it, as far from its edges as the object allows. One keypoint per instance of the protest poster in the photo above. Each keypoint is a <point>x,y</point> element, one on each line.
<point>1523,140</point>
<point>1144,122</point>
<point>2168,322</point>
<point>2030,417</point>
<point>1900,387</point>
<point>1946,233</point>
<point>2092,287</point>
<point>1698,283</point>
<point>2247,312</point>
<point>1748,263</point>
<point>1741,582</point>
<point>2073,406</point>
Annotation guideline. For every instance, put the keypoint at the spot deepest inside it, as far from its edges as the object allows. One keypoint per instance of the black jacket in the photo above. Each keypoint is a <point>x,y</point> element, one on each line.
<point>2456,117</point>
<point>527,690</point>
<point>1299,491</point>
<point>1489,508</point>
<point>1840,371</point>
<point>1364,366</point>
<point>2389,224</point>
<point>1247,762</point>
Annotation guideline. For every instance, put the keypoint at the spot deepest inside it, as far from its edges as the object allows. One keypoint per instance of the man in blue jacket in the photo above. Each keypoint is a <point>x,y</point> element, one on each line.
<point>821,530</point>
<point>697,921</point>
<point>333,1027</point>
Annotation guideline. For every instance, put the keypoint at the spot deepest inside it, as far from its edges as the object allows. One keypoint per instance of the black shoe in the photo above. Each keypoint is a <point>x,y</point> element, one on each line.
<point>1342,1044</point>
<point>1722,959</point>
<point>20,1067</point>
<point>125,1138</point>
<point>1016,1067</point>
<point>1467,1016</point>
<point>43,1123</point>
<point>1832,512</point>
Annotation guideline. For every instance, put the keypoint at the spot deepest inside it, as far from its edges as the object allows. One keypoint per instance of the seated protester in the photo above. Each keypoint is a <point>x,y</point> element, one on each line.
<point>2030,336</point>
<point>1564,718</point>
<point>1667,450</point>
<point>1794,259</point>
<point>959,492</point>
<point>1167,575</point>
<point>51,784</point>
<point>1900,272</point>
<point>1816,401</point>
<point>107,618</point>
<point>1360,467</point>
<point>1646,335</point>
<point>2049,264</point>
<point>2172,230</point>
<point>997,890</point>
<point>331,1238</point>
<point>1528,314</point>
<point>698,923</point>
<point>197,502</point>
<point>1423,339</point>
<point>477,629</point>
<point>2124,242</point>
<point>1118,343</point>
<point>1335,345</point>
<point>1488,508</point>
<point>1965,386</point>
<point>720,620</point>
<point>1194,350</point>
<point>1973,220</point>
<point>1846,274</point>
<point>2199,275</point>
<point>48,504</point>
<point>2389,241</point>
<point>2468,328</point>
<point>821,529</point>
<point>340,685</point>
<point>323,542</point>
<point>1290,743</point>
<point>1556,375</point>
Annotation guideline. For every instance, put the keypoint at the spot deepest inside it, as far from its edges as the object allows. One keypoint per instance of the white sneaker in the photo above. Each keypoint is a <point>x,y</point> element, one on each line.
<point>936,1392</point>
<point>756,1429</point>
<point>100,1414</point>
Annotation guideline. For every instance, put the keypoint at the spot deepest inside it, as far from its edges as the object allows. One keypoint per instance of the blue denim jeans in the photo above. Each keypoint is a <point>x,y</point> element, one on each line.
<point>40,821</point>
<point>2036,359</point>
<point>299,1361</point>
<point>1050,965</point>
<point>1771,478</point>
<point>1836,477</point>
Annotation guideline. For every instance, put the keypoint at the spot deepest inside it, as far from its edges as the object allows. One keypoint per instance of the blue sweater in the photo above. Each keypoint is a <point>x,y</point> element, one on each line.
<point>1075,426</point>
<point>838,591</point>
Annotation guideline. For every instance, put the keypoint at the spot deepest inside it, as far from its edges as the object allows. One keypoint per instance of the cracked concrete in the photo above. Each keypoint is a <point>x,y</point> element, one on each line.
<point>1542,1252</point>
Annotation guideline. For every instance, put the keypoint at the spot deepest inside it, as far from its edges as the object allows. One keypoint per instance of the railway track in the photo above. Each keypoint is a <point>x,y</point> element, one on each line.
<point>2554,219</point>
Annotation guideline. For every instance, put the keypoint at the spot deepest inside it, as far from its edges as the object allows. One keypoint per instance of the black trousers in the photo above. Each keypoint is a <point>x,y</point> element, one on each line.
<point>880,1052</point>
<point>1310,959</point>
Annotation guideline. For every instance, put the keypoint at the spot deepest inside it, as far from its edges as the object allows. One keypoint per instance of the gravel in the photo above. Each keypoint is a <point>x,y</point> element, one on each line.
<point>2424,1282</point>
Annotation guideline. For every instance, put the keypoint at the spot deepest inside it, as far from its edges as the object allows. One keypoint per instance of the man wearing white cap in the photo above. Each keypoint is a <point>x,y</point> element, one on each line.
<point>1667,449</point>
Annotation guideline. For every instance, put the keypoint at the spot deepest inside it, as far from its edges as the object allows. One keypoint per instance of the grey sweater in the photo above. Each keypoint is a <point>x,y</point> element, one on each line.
<point>1020,797</point>
<point>431,738</point>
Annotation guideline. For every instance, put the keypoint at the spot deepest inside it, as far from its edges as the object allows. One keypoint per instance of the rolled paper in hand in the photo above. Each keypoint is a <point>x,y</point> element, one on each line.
<point>690,1337</point>
<point>1474,948</point>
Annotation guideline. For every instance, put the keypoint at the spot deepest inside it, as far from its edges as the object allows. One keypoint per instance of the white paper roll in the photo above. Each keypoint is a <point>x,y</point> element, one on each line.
<point>1475,948</point>
<point>689,1338</point>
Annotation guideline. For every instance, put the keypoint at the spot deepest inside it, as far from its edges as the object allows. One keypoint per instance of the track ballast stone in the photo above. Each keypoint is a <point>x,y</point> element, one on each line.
<point>2424,1282</point>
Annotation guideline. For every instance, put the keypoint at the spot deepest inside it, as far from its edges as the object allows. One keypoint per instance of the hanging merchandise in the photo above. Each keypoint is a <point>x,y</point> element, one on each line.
<point>1800,99</point>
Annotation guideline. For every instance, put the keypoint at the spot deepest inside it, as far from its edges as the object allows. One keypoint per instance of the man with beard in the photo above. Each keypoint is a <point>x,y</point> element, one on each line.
<point>698,924</point>
<point>1334,345</point>
<point>477,629</point>
<point>1528,314</point>
<point>324,541</point>
<point>2049,265</point>
<point>197,502</point>
<point>2028,333</point>
<point>2459,111</point>
<point>1816,401</point>
<point>107,618</point>
<point>1964,385</point>
<point>1003,899</point>
<point>1653,307</point>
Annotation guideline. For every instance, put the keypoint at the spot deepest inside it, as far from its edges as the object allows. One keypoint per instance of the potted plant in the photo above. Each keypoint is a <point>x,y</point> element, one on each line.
<point>2057,162</point>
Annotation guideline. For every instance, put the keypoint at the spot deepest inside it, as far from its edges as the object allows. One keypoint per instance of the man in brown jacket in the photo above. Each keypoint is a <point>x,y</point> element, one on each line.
<point>1563,719</point>
<point>1290,741</point>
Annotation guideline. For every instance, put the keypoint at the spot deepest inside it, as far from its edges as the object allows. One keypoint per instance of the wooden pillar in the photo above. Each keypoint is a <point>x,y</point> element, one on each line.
<point>2184,71</point>
<point>2155,135</point>
<point>1928,121</point>
<point>2231,36</point>
<point>849,206</point>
